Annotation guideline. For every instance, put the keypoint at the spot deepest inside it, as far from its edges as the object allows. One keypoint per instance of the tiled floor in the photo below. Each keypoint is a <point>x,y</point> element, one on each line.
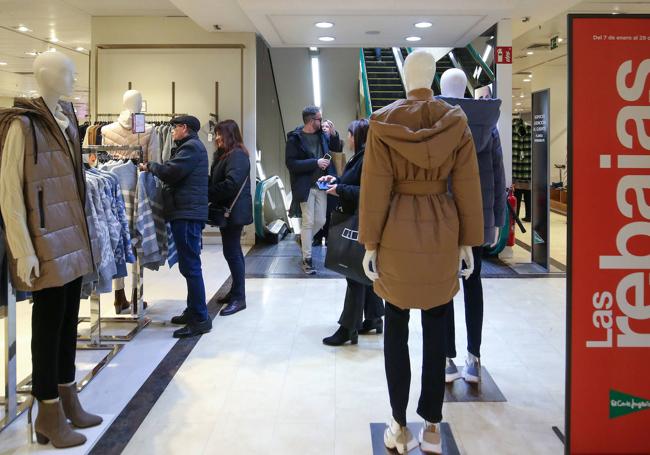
<point>558,237</point>
<point>262,380</point>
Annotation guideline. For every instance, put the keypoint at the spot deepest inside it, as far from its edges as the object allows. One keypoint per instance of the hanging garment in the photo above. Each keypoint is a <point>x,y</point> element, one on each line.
<point>119,133</point>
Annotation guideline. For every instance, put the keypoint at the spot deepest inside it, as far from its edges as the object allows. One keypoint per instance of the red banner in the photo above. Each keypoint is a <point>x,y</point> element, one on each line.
<point>608,317</point>
<point>503,55</point>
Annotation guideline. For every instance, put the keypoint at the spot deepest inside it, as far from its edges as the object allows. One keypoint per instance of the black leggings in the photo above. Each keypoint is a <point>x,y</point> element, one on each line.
<point>398,363</point>
<point>54,338</point>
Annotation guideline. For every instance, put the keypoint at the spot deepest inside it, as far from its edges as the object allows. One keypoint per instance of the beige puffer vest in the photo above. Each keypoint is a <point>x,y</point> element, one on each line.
<point>116,134</point>
<point>54,191</point>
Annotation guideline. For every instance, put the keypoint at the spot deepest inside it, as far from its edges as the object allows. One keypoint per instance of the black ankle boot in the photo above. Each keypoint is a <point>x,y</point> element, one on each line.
<point>342,336</point>
<point>372,324</point>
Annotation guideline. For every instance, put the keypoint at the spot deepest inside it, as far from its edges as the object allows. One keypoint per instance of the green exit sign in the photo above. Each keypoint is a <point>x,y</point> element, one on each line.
<point>554,42</point>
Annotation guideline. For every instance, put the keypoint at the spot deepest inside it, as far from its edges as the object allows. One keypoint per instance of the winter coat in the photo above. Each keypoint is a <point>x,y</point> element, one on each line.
<point>54,191</point>
<point>226,178</point>
<point>185,177</point>
<point>482,117</point>
<point>415,146</point>
<point>302,165</point>
<point>348,186</point>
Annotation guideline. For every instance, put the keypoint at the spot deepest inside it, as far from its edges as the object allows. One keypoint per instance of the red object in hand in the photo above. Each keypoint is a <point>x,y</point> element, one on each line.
<point>512,201</point>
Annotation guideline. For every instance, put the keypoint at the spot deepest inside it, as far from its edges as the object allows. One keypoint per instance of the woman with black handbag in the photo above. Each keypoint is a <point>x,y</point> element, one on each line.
<point>359,298</point>
<point>231,206</point>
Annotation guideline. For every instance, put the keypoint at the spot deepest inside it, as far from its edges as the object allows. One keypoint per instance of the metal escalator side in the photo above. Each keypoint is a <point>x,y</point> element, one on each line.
<point>385,83</point>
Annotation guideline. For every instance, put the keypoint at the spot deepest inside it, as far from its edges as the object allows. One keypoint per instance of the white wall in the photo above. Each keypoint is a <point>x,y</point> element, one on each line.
<point>292,68</point>
<point>152,71</point>
<point>339,70</point>
<point>554,76</point>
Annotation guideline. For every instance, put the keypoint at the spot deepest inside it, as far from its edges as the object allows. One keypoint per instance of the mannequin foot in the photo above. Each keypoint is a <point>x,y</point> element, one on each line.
<point>73,409</point>
<point>397,437</point>
<point>451,371</point>
<point>52,426</point>
<point>430,439</point>
<point>342,336</point>
<point>372,324</point>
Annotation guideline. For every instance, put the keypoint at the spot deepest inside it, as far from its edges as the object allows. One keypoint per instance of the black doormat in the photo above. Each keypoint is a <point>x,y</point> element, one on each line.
<point>487,391</point>
<point>449,446</point>
<point>493,267</point>
<point>284,260</point>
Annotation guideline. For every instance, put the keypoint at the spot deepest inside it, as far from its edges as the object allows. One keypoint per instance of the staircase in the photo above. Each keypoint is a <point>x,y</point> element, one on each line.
<point>384,82</point>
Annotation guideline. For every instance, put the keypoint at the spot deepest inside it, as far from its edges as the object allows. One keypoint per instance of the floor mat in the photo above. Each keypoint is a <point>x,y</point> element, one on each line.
<point>487,391</point>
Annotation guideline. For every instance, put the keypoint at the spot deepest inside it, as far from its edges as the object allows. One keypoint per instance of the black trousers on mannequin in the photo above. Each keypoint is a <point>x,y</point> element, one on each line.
<point>527,195</point>
<point>398,363</point>
<point>54,338</point>
<point>473,293</point>
<point>360,299</point>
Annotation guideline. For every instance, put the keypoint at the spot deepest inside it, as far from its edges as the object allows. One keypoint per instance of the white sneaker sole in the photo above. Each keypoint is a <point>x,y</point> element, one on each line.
<point>449,378</point>
<point>471,378</point>
<point>433,449</point>
<point>392,445</point>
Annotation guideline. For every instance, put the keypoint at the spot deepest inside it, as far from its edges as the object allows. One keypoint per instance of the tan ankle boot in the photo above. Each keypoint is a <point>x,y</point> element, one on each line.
<point>73,409</point>
<point>52,426</point>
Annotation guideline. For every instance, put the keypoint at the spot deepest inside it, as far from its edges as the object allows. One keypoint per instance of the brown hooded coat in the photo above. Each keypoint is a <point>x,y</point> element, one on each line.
<point>416,149</point>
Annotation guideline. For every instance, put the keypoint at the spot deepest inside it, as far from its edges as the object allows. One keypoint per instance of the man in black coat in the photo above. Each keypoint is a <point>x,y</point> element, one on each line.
<point>306,157</point>
<point>185,191</point>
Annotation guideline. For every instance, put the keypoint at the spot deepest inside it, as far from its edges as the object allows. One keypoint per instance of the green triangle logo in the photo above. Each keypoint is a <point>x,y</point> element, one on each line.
<point>622,404</point>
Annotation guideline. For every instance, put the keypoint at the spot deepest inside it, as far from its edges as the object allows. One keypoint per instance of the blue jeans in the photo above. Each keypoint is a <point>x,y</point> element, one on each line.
<point>231,237</point>
<point>187,235</point>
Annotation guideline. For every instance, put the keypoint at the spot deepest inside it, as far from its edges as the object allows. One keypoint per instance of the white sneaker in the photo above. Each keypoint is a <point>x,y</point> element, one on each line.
<point>397,437</point>
<point>451,371</point>
<point>430,439</point>
<point>472,370</point>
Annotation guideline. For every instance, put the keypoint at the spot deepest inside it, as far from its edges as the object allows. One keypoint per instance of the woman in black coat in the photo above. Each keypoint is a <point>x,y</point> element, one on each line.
<point>359,298</point>
<point>230,174</point>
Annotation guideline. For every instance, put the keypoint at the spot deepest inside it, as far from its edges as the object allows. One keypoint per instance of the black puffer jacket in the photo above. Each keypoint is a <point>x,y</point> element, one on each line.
<point>226,178</point>
<point>349,184</point>
<point>185,177</point>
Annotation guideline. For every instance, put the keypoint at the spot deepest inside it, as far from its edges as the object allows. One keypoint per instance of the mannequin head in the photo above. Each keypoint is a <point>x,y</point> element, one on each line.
<point>453,83</point>
<point>419,70</point>
<point>132,101</point>
<point>54,73</point>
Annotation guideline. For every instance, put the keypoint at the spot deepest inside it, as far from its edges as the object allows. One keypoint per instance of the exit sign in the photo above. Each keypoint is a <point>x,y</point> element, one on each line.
<point>554,42</point>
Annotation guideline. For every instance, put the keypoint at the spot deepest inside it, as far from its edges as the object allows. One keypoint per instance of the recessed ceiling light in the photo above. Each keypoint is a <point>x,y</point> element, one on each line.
<point>3,63</point>
<point>423,24</point>
<point>54,39</point>
<point>518,104</point>
<point>327,39</point>
<point>522,96</point>
<point>559,40</point>
<point>527,80</point>
<point>529,53</point>
<point>313,49</point>
<point>77,98</point>
<point>81,49</point>
<point>32,53</point>
<point>52,49</point>
<point>413,38</point>
<point>324,24</point>
<point>22,28</point>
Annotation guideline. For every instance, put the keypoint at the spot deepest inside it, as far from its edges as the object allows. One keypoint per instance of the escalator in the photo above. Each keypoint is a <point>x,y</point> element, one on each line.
<point>383,78</point>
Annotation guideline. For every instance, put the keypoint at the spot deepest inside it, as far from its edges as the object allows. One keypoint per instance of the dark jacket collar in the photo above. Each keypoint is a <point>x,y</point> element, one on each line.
<point>190,135</point>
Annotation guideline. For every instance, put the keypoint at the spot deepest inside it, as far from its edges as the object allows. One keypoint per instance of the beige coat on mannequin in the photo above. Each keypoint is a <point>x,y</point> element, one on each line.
<point>417,148</point>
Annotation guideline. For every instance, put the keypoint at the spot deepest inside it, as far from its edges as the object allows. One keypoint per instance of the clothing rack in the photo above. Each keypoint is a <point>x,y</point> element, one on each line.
<point>137,315</point>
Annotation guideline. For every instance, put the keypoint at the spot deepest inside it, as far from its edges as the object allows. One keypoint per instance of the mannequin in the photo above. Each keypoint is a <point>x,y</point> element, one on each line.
<point>416,232</point>
<point>482,117</point>
<point>47,242</point>
<point>119,133</point>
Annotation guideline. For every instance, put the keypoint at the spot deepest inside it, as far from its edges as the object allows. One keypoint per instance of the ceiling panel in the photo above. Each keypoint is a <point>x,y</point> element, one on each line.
<point>124,7</point>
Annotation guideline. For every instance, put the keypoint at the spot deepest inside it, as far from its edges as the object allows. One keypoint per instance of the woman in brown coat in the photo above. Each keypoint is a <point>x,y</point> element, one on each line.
<point>417,150</point>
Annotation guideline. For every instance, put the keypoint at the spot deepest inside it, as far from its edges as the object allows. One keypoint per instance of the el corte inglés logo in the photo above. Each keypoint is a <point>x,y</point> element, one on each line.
<point>622,404</point>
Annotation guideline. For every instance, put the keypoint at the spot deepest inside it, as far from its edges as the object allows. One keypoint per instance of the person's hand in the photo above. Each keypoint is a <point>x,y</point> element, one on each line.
<point>323,163</point>
<point>370,265</point>
<point>466,256</point>
<point>25,266</point>
<point>331,189</point>
<point>327,178</point>
<point>144,167</point>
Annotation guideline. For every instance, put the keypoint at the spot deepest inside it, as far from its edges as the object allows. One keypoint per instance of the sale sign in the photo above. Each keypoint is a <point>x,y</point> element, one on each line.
<point>608,316</point>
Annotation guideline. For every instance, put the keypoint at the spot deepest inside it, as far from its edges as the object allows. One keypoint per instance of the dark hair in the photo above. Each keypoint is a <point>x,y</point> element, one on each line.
<point>309,113</point>
<point>232,139</point>
<point>359,131</point>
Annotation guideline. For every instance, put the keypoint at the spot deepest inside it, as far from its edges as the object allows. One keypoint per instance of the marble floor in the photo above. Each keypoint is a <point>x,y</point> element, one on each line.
<point>263,381</point>
<point>558,237</point>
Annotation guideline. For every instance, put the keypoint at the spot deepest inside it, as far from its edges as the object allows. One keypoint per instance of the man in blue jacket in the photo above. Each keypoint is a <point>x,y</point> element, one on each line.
<point>185,191</point>
<point>307,158</point>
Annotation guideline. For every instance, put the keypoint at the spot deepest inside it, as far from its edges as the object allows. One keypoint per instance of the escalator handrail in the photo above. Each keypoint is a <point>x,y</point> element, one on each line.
<point>479,61</point>
<point>364,81</point>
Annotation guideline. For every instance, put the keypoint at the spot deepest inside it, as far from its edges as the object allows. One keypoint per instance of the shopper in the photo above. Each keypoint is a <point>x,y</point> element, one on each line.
<point>307,158</point>
<point>359,298</point>
<point>332,202</point>
<point>185,178</point>
<point>230,186</point>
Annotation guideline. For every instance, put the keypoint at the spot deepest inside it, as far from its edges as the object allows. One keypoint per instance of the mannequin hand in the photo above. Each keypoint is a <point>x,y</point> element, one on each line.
<point>25,267</point>
<point>370,262</point>
<point>467,256</point>
<point>496,237</point>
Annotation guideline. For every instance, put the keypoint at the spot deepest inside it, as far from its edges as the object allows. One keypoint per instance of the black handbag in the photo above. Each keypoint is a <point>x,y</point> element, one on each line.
<point>217,215</point>
<point>344,252</point>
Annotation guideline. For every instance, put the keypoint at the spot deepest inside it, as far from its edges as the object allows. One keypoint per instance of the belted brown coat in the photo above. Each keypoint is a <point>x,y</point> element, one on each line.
<point>420,199</point>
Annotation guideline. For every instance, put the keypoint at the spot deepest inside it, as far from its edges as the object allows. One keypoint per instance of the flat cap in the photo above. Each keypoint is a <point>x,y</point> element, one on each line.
<point>192,122</point>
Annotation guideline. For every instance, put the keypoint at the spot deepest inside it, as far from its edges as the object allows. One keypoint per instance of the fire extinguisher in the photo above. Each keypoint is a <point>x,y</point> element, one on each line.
<point>512,204</point>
